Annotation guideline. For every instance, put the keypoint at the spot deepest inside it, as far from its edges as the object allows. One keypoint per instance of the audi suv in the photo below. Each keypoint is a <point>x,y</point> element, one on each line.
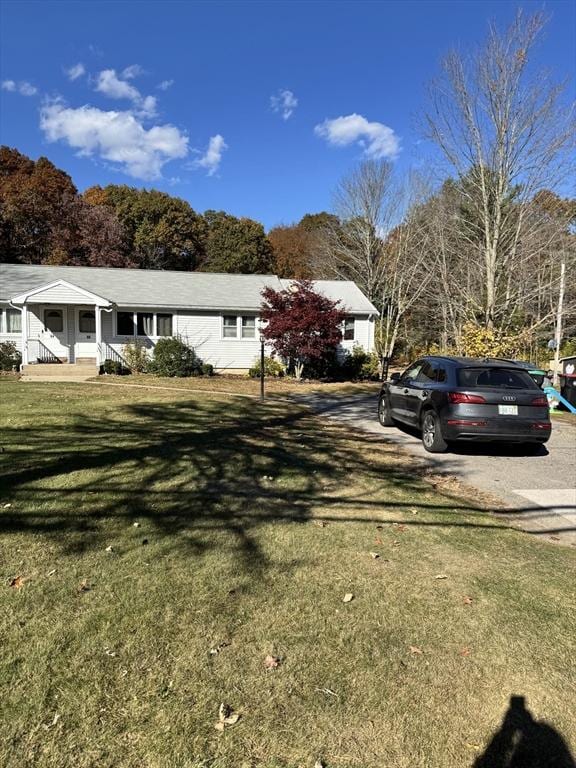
<point>456,398</point>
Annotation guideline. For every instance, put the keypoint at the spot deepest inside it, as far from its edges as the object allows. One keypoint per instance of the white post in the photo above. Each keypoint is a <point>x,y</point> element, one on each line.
<point>98,335</point>
<point>24,332</point>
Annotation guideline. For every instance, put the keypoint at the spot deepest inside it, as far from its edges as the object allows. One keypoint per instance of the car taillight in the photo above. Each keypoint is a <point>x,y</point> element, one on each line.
<point>461,397</point>
<point>540,401</point>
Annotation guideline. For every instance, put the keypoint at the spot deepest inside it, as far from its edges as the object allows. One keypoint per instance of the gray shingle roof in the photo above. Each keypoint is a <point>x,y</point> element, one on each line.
<point>144,287</point>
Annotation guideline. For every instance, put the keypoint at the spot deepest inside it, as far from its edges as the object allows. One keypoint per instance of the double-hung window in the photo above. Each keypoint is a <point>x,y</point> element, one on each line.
<point>13,321</point>
<point>238,327</point>
<point>348,331</point>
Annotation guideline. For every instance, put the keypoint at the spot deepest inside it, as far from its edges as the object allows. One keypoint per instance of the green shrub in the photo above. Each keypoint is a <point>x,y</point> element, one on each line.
<point>172,357</point>
<point>272,368</point>
<point>360,365</point>
<point>10,358</point>
<point>136,355</point>
<point>112,367</point>
<point>207,369</point>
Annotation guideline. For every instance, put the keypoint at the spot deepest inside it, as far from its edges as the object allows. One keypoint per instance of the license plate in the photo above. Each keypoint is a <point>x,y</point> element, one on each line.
<point>508,410</point>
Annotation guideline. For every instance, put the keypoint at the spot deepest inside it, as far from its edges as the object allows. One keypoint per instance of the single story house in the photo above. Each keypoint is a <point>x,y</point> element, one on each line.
<point>85,315</point>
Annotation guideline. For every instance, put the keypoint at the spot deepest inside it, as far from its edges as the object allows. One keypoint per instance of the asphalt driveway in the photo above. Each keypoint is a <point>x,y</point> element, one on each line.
<point>540,491</point>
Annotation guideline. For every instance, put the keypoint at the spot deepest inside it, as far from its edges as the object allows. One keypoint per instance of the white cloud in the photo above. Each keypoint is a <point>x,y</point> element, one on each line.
<point>24,88</point>
<point>377,139</point>
<point>73,73</point>
<point>213,155</point>
<point>165,84</point>
<point>284,102</point>
<point>134,70</point>
<point>117,137</point>
<point>27,89</point>
<point>108,83</point>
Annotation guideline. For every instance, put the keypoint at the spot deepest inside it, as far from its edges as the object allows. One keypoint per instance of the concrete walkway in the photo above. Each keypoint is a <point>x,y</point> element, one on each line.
<point>538,491</point>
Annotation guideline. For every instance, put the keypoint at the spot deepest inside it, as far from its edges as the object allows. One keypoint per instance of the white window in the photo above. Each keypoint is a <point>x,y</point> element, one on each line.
<point>248,327</point>
<point>238,326</point>
<point>144,324</point>
<point>230,327</point>
<point>163,325</point>
<point>13,321</point>
<point>348,330</point>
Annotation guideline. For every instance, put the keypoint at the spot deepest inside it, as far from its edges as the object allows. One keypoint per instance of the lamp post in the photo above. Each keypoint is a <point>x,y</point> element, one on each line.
<point>261,367</point>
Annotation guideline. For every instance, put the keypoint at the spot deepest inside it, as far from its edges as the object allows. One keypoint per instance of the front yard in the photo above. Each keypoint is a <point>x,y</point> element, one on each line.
<point>157,545</point>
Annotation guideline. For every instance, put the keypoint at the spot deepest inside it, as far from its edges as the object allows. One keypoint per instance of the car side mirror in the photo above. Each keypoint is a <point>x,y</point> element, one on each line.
<point>395,377</point>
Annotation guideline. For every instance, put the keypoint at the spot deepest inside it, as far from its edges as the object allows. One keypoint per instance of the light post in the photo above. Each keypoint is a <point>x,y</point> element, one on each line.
<point>261,366</point>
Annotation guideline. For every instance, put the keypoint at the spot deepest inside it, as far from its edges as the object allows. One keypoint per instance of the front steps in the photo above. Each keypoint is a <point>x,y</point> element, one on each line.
<point>54,372</point>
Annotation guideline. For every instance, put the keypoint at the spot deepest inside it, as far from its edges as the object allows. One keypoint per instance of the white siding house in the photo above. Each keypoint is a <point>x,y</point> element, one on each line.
<point>88,314</point>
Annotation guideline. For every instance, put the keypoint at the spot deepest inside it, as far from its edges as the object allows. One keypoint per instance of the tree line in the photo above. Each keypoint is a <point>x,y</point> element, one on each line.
<point>476,255</point>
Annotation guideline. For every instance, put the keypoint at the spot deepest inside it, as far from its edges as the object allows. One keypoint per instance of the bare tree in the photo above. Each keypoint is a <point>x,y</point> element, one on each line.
<point>366,204</point>
<point>507,135</point>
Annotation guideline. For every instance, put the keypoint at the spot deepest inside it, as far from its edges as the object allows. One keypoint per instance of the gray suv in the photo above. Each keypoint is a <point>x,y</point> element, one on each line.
<point>459,398</point>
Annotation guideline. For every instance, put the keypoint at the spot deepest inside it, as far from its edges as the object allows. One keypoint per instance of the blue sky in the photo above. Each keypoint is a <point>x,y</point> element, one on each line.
<point>253,108</point>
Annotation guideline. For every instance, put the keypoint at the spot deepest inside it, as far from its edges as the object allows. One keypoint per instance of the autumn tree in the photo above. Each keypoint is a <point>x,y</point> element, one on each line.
<point>37,221</point>
<point>235,245</point>
<point>302,325</point>
<point>161,231</point>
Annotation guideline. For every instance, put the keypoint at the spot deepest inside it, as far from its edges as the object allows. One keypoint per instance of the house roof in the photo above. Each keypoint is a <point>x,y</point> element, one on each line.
<point>158,288</point>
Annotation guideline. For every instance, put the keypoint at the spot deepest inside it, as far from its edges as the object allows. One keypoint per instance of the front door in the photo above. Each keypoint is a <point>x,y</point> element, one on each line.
<point>85,333</point>
<point>54,334</point>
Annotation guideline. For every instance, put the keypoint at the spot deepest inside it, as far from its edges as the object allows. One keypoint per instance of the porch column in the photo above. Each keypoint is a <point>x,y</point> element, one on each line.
<point>98,335</point>
<point>24,332</point>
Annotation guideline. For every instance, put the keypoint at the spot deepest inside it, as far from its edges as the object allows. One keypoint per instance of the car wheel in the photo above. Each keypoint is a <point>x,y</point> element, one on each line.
<point>384,416</point>
<point>432,438</point>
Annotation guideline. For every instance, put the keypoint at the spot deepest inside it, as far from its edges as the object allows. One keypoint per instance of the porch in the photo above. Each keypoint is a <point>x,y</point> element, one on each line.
<point>61,327</point>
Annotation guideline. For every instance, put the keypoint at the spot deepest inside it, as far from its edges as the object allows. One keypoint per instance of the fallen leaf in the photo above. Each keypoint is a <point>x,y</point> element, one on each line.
<point>226,717</point>
<point>441,576</point>
<point>320,523</point>
<point>110,548</point>
<point>467,600</point>
<point>271,662</point>
<point>136,525</point>
<point>17,582</point>
<point>348,597</point>
<point>374,555</point>
<point>84,586</point>
<point>110,653</point>
<point>416,650</point>
<point>378,541</point>
<point>465,651</point>
<point>399,526</point>
<point>319,764</point>
<point>414,511</point>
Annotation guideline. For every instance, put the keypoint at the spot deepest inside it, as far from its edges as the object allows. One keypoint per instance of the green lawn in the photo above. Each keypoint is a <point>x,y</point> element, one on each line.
<point>238,527</point>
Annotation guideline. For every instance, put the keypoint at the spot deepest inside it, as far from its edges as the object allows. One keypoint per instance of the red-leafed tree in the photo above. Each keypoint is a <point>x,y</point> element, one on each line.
<point>302,325</point>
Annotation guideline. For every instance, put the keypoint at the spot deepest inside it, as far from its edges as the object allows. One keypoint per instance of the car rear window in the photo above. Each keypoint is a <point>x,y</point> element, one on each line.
<point>495,377</point>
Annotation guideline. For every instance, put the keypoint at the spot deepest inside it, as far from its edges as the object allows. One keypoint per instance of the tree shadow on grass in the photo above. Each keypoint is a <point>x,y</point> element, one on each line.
<point>523,742</point>
<point>196,469</point>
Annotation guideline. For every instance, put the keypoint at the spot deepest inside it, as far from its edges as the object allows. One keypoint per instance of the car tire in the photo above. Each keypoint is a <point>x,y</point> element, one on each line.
<point>384,416</point>
<point>432,438</point>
